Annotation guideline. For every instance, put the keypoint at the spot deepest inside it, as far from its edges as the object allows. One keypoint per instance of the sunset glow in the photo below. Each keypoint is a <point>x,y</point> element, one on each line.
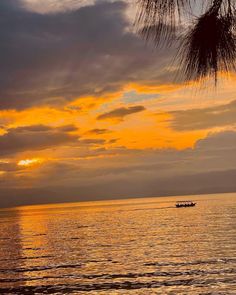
<point>108,113</point>
<point>29,162</point>
<point>117,147</point>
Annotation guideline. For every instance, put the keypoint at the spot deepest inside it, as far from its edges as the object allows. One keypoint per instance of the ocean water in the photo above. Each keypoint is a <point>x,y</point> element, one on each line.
<point>138,246</point>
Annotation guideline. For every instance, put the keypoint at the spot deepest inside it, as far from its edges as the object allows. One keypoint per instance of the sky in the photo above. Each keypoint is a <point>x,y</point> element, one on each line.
<point>89,110</point>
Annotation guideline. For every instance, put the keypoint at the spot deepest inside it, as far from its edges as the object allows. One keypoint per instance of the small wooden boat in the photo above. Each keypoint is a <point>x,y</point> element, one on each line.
<point>183,204</point>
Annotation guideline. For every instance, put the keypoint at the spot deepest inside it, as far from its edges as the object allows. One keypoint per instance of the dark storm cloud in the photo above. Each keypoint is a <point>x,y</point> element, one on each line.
<point>32,138</point>
<point>121,112</point>
<point>10,6</point>
<point>53,58</point>
<point>196,119</point>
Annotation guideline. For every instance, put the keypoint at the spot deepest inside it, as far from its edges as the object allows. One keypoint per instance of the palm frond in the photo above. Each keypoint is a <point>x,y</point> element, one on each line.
<point>157,18</point>
<point>210,46</point>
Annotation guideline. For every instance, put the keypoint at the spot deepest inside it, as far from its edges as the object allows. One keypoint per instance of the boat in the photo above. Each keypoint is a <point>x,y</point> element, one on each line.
<point>183,204</point>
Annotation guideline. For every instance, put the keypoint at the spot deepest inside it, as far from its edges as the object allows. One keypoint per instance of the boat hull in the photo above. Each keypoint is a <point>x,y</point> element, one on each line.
<point>185,205</point>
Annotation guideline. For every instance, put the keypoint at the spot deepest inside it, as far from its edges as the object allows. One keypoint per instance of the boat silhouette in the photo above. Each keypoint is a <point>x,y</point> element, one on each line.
<point>182,204</point>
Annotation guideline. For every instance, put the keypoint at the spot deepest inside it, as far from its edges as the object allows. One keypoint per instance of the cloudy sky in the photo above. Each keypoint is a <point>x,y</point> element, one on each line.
<point>88,110</point>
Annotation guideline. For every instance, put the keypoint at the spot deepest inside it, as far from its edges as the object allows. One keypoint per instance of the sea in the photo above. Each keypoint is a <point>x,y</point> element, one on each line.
<point>134,246</point>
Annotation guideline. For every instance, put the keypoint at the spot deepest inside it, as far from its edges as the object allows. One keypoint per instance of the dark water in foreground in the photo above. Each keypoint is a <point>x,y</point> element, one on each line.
<point>143,246</point>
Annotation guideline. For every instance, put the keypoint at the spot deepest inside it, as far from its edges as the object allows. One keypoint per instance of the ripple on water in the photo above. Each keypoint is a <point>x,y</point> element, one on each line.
<point>133,248</point>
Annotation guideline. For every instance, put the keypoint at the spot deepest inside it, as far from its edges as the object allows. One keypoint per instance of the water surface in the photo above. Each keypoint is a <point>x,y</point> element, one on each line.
<point>138,246</point>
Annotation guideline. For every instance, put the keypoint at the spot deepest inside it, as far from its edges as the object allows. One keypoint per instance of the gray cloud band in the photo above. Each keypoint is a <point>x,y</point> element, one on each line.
<point>49,59</point>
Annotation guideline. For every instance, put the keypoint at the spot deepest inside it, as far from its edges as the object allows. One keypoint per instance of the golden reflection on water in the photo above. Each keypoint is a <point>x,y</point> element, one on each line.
<point>140,246</point>
<point>10,246</point>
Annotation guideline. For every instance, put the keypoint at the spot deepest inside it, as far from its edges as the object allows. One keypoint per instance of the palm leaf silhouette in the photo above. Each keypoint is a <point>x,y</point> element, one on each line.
<point>209,46</point>
<point>158,19</point>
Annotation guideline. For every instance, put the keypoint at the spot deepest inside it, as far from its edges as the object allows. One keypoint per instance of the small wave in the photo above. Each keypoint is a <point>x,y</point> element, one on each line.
<point>216,261</point>
<point>161,274</point>
<point>39,268</point>
<point>32,248</point>
<point>26,258</point>
<point>166,274</point>
<point>127,285</point>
